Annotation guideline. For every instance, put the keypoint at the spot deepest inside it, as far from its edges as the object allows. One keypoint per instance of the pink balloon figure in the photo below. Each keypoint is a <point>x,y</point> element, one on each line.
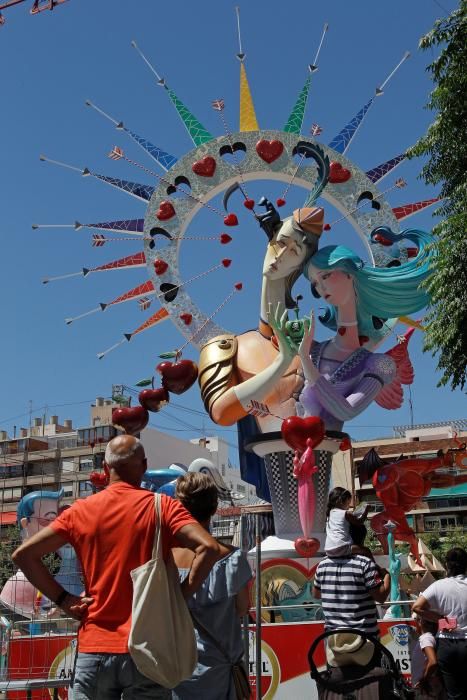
<point>304,468</point>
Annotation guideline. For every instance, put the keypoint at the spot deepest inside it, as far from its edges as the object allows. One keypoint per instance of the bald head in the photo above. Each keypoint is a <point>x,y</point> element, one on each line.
<point>125,457</point>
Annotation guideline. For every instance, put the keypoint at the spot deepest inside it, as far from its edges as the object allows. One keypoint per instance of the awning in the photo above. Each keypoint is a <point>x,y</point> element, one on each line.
<point>8,518</point>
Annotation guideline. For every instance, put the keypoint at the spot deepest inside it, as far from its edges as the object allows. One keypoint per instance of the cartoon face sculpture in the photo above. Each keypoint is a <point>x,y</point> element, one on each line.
<point>35,511</point>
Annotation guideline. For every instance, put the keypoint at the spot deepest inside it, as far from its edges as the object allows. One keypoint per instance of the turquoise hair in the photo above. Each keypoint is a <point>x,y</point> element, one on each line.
<point>382,293</point>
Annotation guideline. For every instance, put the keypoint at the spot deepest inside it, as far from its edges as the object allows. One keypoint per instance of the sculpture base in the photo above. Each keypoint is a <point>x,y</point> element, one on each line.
<point>278,458</point>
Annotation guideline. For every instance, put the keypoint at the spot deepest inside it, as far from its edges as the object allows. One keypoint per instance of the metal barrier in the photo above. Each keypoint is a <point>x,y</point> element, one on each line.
<point>34,684</point>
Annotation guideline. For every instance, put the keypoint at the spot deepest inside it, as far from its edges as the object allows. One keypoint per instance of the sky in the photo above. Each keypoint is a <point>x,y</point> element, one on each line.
<point>55,61</point>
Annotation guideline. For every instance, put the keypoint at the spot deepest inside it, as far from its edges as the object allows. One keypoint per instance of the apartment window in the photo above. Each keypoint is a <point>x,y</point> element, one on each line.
<point>68,465</point>
<point>11,494</point>
<point>86,464</point>
<point>67,490</point>
<point>241,488</point>
<point>11,470</point>
<point>85,489</point>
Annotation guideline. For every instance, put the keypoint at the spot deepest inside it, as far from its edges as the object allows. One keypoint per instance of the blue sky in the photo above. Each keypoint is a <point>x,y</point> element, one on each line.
<point>53,62</point>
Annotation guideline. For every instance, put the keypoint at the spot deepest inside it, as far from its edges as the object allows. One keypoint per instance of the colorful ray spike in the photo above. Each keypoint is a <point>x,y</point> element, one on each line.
<point>142,290</point>
<point>407,210</point>
<point>377,174</point>
<point>165,160</point>
<point>341,142</point>
<point>295,120</point>
<point>136,260</point>
<point>248,121</point>
<point>160,315</point>
<point>198,133</point>
<point>143,192</point>
<point>135,226</point>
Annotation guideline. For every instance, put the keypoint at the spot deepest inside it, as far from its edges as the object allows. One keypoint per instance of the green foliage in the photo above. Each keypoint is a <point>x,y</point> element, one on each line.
<point>441,545</point>
<point>445,145</point>
<point>10,540</point>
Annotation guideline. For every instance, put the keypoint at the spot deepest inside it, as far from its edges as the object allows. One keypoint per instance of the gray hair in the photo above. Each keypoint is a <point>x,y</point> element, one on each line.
<point>115,455</point>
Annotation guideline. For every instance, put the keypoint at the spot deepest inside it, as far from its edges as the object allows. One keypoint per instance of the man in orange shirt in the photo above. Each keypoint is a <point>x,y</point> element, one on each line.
<point>113,533</point>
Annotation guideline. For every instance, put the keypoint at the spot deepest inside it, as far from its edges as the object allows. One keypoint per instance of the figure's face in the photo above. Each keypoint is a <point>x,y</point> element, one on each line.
<point>334,286</point>
<point>45,511</point>
<point>286,252</point>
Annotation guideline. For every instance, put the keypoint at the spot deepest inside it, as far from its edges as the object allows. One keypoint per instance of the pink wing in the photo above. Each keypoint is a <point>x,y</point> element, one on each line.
<point>392,395</point>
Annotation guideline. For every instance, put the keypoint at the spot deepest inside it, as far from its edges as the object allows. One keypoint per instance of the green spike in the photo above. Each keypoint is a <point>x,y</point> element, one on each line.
<point>295,120</point>
<point>196,130</point>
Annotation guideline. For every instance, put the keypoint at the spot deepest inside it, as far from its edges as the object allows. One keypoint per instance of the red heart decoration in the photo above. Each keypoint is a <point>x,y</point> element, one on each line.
<point>153,399</point>
<point>160,266</point>
<point>306,546</point>
<point>412,252</point>
<point>225,238</point>
<point>341,330</point>
<point>379,238</point>
<point>296,431</point>
<point>205,167</point>
<point>186,318</point>
<point>178,377</point>
<point>166,211</point>
<point>269,151</point>
<point>362,339</point>
<point>327,227</point>
<point>345,445</point>
<point>280,202</point>
<point>338,174</point>
<point>249,203</point>
<point>239,286</point>
<point>231,220</point>
<point>130,420</point>
<point>226,262</point>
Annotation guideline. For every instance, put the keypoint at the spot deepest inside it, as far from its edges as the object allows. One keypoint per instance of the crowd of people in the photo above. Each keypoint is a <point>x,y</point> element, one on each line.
<point>112,533</point>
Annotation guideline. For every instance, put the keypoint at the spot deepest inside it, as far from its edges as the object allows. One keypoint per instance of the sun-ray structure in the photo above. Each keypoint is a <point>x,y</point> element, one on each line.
<point>188,183</point>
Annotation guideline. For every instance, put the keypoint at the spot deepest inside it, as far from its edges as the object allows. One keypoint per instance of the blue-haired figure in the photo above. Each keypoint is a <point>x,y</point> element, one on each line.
<point>342,375</point>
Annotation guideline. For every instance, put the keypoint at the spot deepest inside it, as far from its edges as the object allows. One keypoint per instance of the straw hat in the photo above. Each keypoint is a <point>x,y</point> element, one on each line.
<point>346,649</point>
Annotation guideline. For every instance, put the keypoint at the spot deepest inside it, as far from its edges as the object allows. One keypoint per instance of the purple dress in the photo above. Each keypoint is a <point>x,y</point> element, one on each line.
<point>346,388</point>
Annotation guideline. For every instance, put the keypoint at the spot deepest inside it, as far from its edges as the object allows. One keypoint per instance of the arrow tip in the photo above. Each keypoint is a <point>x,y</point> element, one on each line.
<point>100,355</point>
<point>68,321</point>
<point>41,157</point>
<point>88,103</point>
<point>85,172</point>
<point>312,68</point>
<point>34,226</point>
<point>103,306</point>
<point>85,271</point>
<point>128,336</point>
<point>241,57</point>
<point>134,44</point>
<point>45,280</point>
<point>379,92</point>
<point>78,225</point>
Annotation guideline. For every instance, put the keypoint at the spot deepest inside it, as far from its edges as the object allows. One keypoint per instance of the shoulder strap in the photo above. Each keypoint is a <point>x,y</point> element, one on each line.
<point>157,546</point>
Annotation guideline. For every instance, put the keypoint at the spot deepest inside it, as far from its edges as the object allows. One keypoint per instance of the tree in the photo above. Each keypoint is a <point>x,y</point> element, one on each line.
<point>440,546</point>
<point>446,147</point>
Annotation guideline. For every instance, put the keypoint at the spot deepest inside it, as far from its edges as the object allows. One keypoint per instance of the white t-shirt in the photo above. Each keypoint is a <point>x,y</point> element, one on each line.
<point>418,659</point>
<point>449,597</point>
<point>337,530</point>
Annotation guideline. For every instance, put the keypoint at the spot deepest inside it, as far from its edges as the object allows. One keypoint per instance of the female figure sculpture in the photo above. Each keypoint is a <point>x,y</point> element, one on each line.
<point>342,375</point>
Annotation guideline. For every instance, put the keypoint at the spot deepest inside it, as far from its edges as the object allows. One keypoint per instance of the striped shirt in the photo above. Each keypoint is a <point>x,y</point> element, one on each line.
<point>345,584</point>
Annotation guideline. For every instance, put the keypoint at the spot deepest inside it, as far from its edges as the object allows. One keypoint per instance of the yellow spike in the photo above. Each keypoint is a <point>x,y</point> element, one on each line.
<point>247,111</point>
<point>411,322</point>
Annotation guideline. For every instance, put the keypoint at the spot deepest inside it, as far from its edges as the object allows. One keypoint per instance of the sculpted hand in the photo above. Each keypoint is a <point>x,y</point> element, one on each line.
<point>309,370</point>
<point>277,321</point>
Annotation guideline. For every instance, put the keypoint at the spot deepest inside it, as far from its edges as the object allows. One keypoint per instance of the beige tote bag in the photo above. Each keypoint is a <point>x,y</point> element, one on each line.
<point>162,640</point>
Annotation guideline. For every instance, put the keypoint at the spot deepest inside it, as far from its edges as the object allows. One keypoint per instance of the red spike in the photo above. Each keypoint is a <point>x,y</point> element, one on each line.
<point>137,260</point>
<point>139,291</point>
<point>408,209</point>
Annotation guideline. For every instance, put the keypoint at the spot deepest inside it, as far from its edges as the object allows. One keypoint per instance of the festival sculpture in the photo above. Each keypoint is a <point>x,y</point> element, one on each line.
<point>402,484</point>
<point>280,385</point>
<point>35,511</point>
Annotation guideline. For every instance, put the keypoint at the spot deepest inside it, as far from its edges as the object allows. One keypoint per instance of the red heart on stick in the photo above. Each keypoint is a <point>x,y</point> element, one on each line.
<point>296,431</point>
<point>178,377</point>
<point>306,546</point>
<point>130,420</point>
<point>249,203</point>
<point>338,174</point>
<point>186,318</point>
<point>280,202</point>
<point>225,238</point>
<point>160,266</point>
<point>226,262</point>
<point>206,167</point>
<point>239,286</point>
<point>231,220</point>
<point>269,151</point>
<point>153,399</point>
<point>327,227</point>
<point>166,211</point>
